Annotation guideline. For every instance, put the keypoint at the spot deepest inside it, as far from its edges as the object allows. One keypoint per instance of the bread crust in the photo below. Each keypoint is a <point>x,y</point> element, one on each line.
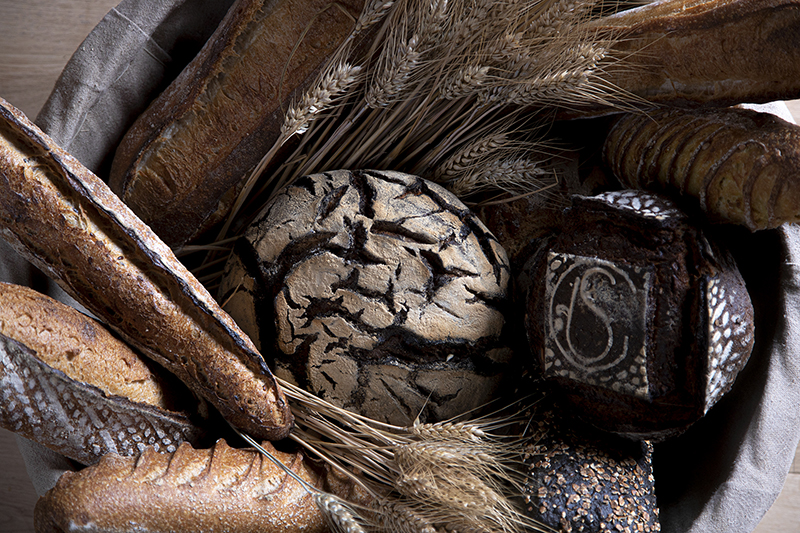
<point>201,136</point>
<point>80,347</point>
<point>214,490</point>
<point>67,222</point>
<point>738,164</point>
<point>717,52</point>
<point>77,419</point>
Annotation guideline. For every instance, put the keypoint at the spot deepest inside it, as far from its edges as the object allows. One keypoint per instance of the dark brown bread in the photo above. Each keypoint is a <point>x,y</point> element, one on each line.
<point>221,489</point>
<point>221,115</point>
<point>580,479</point>
<point>638,319</point>
<point>67,222</point>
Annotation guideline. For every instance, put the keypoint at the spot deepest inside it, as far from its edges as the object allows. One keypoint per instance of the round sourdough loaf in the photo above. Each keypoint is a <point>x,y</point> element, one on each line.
<point>378,291</point>
<point>635,315</point>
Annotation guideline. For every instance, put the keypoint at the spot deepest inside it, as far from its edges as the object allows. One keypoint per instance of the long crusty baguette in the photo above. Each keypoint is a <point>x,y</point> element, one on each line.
<point>67,222</point>
<point>701,52</point>
<point>70,385</point>
<point>223,112</point>
<point>216,490</point>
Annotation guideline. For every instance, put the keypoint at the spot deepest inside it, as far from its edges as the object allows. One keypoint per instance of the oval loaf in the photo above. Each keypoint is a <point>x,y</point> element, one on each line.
<point>201,136</point>
<point>70,385</point>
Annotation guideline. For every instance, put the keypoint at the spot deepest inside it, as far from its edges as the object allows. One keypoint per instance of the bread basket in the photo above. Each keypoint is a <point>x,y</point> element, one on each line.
<point>722,475</point>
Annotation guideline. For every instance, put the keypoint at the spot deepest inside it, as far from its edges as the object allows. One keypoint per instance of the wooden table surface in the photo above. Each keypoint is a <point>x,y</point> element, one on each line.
<point>37,38</point>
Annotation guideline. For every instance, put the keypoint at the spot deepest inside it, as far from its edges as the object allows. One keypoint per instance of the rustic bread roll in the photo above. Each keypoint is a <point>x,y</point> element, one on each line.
<point>67,222</point>
<point>635,316</point>
<point>378,291</point>
<point>739,165</point>
<point>220,489</point>
<point>68,384</point>
<point>700,52</point>
<point>223,112</point>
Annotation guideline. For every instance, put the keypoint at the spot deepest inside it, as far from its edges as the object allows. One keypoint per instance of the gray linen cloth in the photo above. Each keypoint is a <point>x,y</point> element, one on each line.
<point>721,475</point>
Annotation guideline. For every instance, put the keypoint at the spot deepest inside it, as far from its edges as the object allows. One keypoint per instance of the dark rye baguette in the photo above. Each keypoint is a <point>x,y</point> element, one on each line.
<point>69,384</point>
<point>213,124</point>
<point>221,489</point>
<point>68,223</point>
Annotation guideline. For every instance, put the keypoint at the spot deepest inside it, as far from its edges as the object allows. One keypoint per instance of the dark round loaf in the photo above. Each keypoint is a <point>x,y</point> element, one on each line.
<point>580,479</point>
<point>635,315</point>
<point>378,291</point>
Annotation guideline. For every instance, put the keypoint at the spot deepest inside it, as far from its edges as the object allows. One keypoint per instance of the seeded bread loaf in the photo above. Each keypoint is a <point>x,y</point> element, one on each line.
<point>201,136</point>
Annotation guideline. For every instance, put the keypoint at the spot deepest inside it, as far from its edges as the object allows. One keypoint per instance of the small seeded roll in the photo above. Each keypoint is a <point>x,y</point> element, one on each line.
<point>583,480</point>
<point>379,291</point>
<point>635,316</point>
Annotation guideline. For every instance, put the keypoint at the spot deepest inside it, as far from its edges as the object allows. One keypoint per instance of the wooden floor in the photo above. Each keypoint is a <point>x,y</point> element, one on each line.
<point>37,39</point>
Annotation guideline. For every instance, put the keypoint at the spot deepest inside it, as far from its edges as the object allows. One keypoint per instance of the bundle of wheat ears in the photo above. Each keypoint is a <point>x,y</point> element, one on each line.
<point>459,92</point>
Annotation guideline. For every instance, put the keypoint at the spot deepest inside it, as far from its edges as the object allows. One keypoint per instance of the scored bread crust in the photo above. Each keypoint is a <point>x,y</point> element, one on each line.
<point>210,490</point>
<point>77,419</point>
<point>67,222</point>
<point>739,164</point>
<point>213,124</point>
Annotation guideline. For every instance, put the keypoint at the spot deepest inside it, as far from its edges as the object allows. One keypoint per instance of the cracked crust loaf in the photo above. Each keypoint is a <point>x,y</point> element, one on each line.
<point>383,293</point>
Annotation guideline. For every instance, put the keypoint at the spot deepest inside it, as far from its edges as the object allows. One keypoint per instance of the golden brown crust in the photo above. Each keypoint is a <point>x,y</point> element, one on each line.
<point>214,490</point>
<point>67,222</point>
<point>77,345</point>
<point>739,164</point>
<point>218,118</point>
<point>720,52</point>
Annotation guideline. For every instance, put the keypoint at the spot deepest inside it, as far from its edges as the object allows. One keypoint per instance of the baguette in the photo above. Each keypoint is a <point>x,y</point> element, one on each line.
<point>66,221</point>
<point>66,383</point>
<point>221,489</point>
<point>739,165</point>
<point>213,124</point>
<point>707,52</point>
